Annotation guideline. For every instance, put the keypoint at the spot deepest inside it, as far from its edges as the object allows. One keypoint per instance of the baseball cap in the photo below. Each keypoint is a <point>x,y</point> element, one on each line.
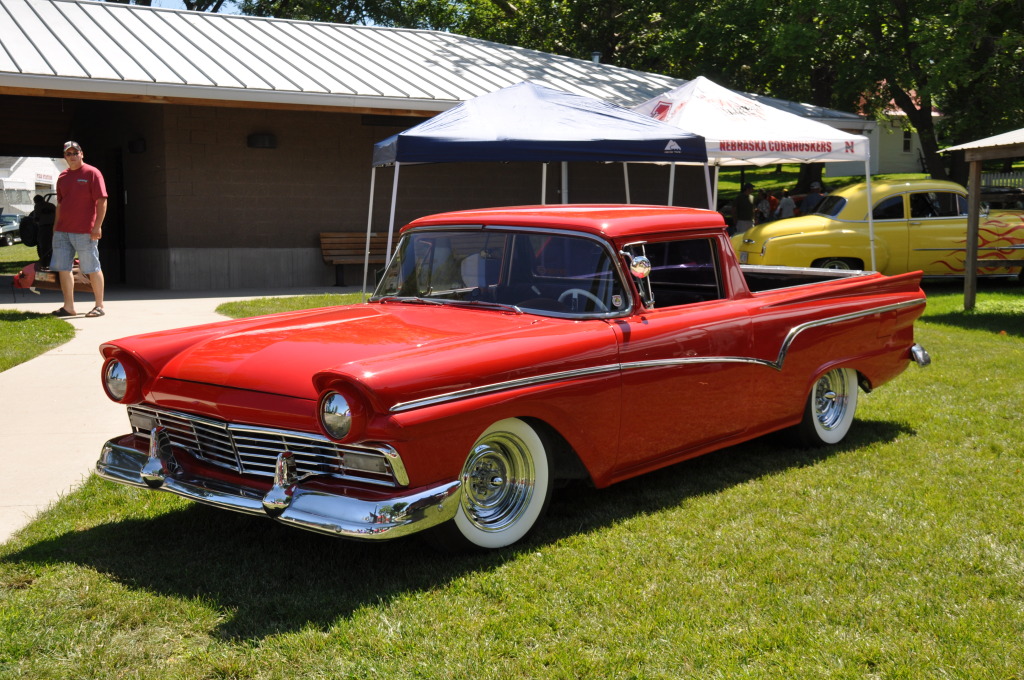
<point>72,145</point>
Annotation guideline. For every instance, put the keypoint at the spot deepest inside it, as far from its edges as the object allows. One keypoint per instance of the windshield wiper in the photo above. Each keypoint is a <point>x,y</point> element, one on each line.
<point>485,304</point>
<point>448,302</point>
<point>410,300</point>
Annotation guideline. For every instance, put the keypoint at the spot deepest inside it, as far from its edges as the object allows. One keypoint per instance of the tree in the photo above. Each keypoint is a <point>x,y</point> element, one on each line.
<point>960,57</point>
<point>873,56</point>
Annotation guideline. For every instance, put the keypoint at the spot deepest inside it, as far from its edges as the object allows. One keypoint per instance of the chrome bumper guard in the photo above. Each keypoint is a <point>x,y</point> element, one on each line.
<point>920,355</point>
<point>287,502</point>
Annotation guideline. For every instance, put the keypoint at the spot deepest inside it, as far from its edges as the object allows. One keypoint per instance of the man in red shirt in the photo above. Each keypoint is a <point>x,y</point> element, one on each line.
<point>77,228</point>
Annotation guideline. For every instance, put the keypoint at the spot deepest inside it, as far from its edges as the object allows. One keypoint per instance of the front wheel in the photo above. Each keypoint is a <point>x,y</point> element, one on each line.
<point>8,240</point>
<point>830,408</point>
<point>845,263</point>
<point>506,486</point>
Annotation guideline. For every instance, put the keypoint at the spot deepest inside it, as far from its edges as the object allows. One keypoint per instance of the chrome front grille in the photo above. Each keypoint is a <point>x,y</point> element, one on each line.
<point>254,450</point>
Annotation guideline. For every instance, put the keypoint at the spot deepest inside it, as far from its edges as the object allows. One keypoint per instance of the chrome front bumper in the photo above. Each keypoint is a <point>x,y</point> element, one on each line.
<point>287,502</point>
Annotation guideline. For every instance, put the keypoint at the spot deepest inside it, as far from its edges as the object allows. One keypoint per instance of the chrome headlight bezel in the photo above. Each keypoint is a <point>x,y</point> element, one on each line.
<point>115,380</point>
<point>335,414</point>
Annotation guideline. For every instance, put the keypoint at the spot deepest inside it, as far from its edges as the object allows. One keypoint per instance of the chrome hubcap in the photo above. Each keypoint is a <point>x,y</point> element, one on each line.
<point>830,399</point>
<point>497,482</point>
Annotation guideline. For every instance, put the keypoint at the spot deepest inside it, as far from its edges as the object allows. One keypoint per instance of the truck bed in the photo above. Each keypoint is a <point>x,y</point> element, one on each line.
<point>763,277</point>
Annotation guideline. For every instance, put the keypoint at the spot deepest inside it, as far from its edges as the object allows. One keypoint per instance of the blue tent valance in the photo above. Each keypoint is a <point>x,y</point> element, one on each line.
<point>531,122</point>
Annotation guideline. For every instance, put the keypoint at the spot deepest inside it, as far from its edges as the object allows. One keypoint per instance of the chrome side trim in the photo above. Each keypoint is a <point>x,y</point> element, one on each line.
<point>658,363</point>
<point>963,250</point>
<point>313,510</point>
<point>502,386</point>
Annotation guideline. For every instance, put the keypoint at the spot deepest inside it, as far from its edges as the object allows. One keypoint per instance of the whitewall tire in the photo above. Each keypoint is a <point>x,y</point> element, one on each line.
<point>830,408</point>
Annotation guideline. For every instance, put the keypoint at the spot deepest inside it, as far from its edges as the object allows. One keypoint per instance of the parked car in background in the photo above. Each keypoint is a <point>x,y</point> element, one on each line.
<point>918,225</point>
<point>10,230</point>
<point>503,351</point>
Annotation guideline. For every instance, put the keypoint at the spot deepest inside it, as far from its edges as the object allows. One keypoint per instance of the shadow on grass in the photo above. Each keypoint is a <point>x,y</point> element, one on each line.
<point>270,579</point>
<point>13,316</point>
<point>999,306</point>
<point>1000,323</point>
<point>12,267</point>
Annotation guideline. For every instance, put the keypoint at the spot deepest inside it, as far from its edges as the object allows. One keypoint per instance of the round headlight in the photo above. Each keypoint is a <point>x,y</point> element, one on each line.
<point>336,415</point>
<point>115,380</point>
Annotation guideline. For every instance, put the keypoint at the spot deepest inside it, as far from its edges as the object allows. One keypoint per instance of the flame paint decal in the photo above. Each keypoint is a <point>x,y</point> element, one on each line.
<point>1005,231</point>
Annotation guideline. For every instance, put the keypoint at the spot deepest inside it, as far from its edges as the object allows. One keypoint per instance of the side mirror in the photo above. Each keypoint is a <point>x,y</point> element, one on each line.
<point>639,266</point>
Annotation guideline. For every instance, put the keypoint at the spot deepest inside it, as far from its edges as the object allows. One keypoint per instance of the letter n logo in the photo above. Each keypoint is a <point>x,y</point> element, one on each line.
<point>850,147</point>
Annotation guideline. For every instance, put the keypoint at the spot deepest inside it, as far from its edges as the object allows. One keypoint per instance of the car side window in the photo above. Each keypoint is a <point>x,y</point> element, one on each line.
<point>936,204</point>
<point>889,209</point>
<point>682,272</point>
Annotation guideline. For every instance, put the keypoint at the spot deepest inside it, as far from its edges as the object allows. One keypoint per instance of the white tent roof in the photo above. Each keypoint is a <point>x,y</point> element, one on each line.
<point>742,131</point>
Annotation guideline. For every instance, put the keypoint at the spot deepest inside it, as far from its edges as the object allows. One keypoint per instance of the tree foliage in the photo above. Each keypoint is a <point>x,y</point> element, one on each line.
<point>918,57</point>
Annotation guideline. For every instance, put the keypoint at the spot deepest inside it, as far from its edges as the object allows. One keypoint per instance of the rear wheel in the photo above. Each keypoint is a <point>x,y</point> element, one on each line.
<point>506,485</point>
<point>830,408</point>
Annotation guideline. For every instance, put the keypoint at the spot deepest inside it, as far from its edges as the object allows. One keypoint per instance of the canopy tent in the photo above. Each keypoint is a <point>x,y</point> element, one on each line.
<point>531,122</point>
<point>742,131</point>
<point>1007,145</point>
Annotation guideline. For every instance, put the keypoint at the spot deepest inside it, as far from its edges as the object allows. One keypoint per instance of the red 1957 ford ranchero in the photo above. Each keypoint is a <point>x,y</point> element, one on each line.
<point>504,349</point>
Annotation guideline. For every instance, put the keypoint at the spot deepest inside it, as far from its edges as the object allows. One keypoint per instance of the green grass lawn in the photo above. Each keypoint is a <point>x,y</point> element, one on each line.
<point>13,258</point>
<point>898,554</point>
<point>24,335</point>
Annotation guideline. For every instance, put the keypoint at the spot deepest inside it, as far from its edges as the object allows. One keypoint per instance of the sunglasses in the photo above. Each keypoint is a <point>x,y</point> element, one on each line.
<point>70,153</point>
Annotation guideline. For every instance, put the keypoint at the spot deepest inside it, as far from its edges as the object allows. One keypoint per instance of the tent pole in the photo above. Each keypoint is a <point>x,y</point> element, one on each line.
<point>625,177</point>
<point>543,183</point>
<point>391,222</point>
<point>707,182</point>
<point>671,182</point>
<point>369,227</point>
<point>565,182</point>
<point>715,203</point>
<point>871,208</point>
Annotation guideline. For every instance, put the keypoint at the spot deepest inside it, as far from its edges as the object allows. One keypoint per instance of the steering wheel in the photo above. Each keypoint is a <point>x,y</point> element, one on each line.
<point>601,306</point>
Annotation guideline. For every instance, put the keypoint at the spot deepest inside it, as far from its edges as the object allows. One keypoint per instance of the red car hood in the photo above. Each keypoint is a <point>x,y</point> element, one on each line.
<point>397,351</point>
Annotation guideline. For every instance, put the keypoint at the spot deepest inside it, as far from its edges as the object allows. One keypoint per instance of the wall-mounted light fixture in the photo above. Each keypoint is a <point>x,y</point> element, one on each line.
<point>261,140</point>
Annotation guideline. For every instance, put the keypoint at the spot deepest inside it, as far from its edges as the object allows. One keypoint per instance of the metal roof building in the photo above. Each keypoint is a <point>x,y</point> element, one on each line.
<point>114,51</point>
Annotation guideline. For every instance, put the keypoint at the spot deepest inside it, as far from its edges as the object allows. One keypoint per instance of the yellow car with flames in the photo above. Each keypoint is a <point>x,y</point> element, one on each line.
<point>918,225</point>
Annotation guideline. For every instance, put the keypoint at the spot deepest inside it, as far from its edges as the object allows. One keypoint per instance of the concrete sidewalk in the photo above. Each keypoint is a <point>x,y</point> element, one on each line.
<point>56,415</point>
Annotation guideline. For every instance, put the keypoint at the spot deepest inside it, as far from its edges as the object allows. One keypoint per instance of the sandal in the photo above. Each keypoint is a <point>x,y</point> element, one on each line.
<point>62,313</point>
<point>96,311</point>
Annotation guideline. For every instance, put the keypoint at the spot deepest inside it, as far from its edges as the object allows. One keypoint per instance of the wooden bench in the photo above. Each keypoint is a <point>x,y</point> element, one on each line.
<point>342,248</point>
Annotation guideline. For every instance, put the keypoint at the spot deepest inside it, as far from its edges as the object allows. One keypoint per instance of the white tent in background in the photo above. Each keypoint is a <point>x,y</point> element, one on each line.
<point>739,130</point>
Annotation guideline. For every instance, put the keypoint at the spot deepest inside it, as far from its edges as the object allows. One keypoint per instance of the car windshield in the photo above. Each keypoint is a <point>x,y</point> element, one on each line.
<point>830,205</point>
<point>537,272</point>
